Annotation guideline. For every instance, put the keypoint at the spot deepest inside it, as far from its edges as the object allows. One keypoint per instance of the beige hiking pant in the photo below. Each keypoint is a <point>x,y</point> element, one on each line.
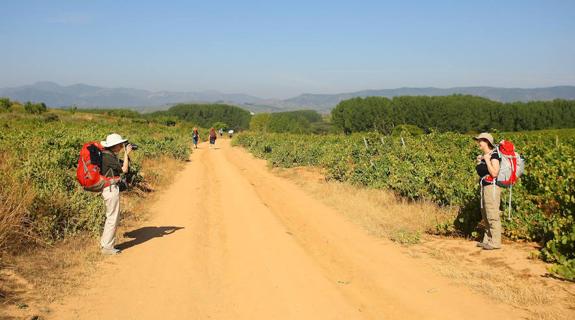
<point>491,215</point>
<point>111,197</point>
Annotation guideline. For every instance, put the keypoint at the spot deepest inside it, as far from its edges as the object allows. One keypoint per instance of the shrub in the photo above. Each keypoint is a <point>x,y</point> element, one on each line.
<point>50,117</point>
<point>35,108</point>
<point>5,104</point>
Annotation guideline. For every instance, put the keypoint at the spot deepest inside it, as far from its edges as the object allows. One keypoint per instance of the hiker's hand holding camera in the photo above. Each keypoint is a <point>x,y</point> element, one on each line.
<point>479,158</point>
<point>123,182</point>
<point>127,149</point>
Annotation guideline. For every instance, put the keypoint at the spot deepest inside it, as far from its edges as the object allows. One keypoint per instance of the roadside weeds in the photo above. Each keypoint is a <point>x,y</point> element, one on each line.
<point>32,279</point>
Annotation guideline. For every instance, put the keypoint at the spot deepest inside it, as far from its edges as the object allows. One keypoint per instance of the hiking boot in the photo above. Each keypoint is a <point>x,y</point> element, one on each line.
<point>110,252</point>
<point>487,246</point>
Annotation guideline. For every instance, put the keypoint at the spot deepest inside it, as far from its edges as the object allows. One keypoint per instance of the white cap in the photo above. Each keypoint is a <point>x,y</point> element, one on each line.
<point>486,136</point>
<point>112,140</point>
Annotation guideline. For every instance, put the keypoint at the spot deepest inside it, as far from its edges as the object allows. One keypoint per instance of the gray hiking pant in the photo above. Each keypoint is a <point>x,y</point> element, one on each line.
<point>491,215</point>
<point>111,197</point>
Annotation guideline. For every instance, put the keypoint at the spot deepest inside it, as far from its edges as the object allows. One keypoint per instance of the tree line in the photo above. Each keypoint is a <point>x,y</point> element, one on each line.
<point>208,115</point>
<point>7,105</point>
<point>457,113</point>
<point>301,121</point>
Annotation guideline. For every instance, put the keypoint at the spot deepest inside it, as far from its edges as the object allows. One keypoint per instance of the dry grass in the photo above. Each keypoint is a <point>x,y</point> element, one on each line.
<point>542,298</point>
<point>507,276</point>
<point>13,203</point>
<point>30,281</point>
<point>160,172</point>
<point>380,212</point>
<point>54,272</point>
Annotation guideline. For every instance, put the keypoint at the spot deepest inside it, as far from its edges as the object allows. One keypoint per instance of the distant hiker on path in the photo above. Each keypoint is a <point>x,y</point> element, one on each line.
<point>213,137</point>
<point>221,131</point>
<point>195,137</point>
<point>231,133</point>
<point>113,167</point>
<point>488,168</point>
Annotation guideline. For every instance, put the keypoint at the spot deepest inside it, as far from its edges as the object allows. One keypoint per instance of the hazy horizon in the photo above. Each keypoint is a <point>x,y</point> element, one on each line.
<point>281,50</point>
<point>298,94</point>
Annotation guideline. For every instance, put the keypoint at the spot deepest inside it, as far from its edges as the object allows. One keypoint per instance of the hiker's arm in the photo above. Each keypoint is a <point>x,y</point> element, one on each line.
<point>492,166</point>
<point>126,165</point>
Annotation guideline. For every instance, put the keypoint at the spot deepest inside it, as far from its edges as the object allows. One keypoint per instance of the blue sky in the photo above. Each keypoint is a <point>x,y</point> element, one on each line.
<point>281,49</point>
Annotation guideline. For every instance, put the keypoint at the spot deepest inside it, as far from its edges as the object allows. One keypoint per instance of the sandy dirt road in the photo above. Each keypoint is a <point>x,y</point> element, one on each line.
<point>230,240</point>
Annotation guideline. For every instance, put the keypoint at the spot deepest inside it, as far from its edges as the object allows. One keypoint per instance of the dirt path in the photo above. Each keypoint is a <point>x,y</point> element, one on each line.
<point>229,240</point>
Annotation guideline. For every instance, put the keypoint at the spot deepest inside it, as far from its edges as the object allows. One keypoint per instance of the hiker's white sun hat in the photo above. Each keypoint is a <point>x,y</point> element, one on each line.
<point>485,136</point>
<point>112,140</point>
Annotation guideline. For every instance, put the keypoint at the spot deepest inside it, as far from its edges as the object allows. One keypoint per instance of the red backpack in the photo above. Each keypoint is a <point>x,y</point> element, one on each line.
<point>511,165</point>
<point>89,167</point>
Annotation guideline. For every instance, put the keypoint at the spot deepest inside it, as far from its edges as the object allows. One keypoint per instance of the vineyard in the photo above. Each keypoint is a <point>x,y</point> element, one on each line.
<point>440,167</point>
<point>40,199</point>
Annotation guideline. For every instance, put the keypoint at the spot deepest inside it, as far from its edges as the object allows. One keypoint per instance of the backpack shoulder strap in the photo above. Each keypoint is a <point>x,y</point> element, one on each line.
<point>109,173</point>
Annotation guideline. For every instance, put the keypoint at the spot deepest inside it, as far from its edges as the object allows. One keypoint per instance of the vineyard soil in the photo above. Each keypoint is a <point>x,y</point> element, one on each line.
<point>230,240</point>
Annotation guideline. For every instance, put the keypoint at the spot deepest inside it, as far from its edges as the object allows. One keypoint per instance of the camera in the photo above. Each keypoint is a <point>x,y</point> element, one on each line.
<point>134,146</point>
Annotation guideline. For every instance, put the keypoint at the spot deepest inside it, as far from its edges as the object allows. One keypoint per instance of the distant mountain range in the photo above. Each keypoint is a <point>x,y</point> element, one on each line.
<point>328,101</point>
<point>82,95</point>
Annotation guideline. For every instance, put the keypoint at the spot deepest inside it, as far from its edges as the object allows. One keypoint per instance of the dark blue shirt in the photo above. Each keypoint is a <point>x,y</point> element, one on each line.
<point>482,169</point>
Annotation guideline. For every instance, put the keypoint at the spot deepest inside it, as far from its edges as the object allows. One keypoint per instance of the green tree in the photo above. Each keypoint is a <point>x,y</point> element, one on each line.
<point>220,125</point>
<point>5,104</point>
<point>456,113</point>
<point>294,121</point>
<point>260,122</point>
<point>35,108</point>
<point>206,115</point>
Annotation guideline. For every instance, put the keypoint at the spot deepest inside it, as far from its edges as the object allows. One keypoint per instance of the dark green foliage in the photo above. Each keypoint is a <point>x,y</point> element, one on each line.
<point>220,125</point>
<point>120,113</point>
<point>5,104</point>
<point>162,117</point>
<point>456,113</point>
<point>310,115</point>
<point>288,122</point>
<point>440,167</point>
<point>205,115</point>
<point>323,127</point>
<point>260,122</point>
<point>301,121</point>
<point>49,117</point>
<point>364,114</point>
<point>407,129</point>
<point>35,108</point>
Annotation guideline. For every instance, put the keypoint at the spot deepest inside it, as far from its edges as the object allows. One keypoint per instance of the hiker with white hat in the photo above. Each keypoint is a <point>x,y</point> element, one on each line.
<point>113,167</point>
<point>488,168</point>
